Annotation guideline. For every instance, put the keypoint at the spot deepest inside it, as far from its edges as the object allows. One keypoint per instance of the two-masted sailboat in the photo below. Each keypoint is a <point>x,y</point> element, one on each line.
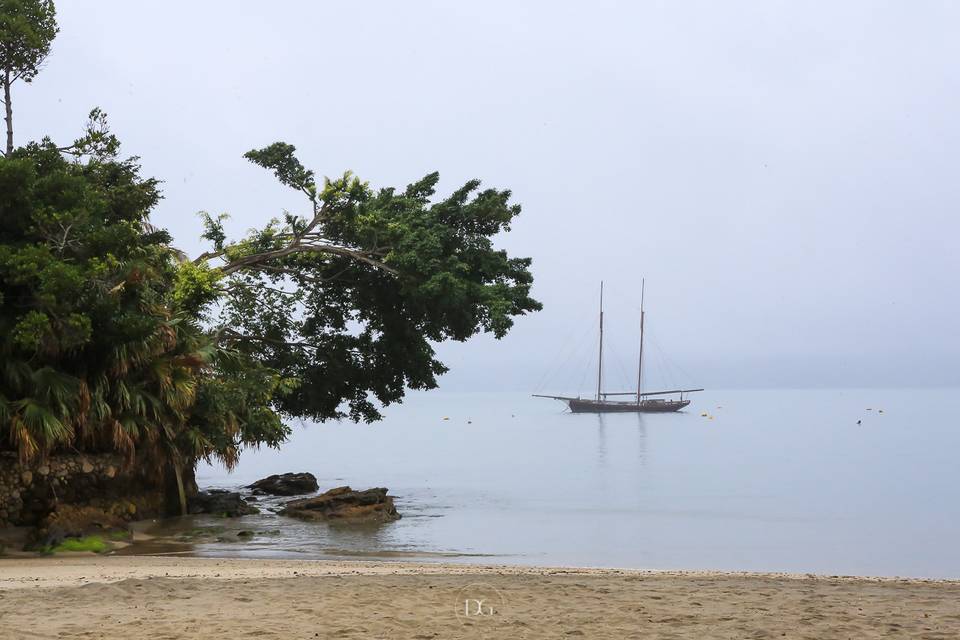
<point>641,401</point>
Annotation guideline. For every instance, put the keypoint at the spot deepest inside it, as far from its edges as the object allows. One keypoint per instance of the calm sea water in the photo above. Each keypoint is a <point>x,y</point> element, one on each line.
<point>775,481</point>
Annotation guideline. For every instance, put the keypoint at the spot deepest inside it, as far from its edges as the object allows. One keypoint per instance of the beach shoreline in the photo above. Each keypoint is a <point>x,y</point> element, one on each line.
<point>135,597</point>
<point>72,569</point>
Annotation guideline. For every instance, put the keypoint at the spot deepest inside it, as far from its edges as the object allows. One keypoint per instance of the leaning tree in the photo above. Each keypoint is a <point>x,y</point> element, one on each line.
<point>113,340</point>
<point>348,298</point>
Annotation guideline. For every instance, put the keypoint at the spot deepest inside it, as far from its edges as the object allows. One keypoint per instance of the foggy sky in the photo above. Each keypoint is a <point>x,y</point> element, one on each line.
<point>783,174</point>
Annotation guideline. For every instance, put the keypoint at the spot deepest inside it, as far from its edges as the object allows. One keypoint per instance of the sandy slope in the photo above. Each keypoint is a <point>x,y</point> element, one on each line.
<point>141,597</point>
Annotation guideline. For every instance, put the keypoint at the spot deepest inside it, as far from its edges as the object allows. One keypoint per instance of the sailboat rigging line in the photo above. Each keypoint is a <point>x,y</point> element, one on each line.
<point>664,371</point>
<point>573,350</point>
<point>617,360</point>
<point>643,291</point>
<point>587,342</point>
<point>583,379</point>
<point>600,352</point>
<point>605,354</point>
<point>669,363</point>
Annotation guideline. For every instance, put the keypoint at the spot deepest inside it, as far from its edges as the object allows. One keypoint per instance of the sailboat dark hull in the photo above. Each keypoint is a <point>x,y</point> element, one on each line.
<point>606,406</point>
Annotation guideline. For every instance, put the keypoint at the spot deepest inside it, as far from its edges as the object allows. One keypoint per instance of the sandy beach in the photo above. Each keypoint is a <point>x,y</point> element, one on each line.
<point>192,598</point>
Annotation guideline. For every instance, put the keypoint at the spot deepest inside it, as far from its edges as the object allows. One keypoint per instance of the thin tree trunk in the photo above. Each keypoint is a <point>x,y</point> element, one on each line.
<point>8,103</point>
<point>181,493</point>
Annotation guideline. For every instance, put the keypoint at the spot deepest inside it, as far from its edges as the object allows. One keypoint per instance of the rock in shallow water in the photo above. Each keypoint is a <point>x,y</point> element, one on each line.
<point>287,484</point>
<point>219,502</point>
<point>343,504</point>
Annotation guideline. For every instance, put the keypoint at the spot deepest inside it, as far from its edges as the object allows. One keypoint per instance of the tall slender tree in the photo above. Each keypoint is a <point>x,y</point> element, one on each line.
<point>27,28</point>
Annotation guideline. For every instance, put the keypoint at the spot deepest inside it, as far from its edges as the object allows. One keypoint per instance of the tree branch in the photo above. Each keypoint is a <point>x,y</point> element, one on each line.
<point>243,285</point>
<point>267,256</point>
<point>282,343</point>
<point>297,274</point>
<point>317,215</point>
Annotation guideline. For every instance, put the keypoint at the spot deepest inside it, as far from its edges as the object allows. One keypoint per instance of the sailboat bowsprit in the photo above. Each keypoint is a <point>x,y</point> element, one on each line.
<point>640,402</point>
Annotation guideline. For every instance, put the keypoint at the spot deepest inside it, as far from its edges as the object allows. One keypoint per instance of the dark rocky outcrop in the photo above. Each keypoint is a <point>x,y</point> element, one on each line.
<point>287,484</point>
<point>221,503</point>
<point>31,492</point>
<point>343,504</point>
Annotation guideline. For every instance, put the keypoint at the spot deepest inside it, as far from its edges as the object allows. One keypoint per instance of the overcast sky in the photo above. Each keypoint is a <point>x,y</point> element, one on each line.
<point>783,174</point>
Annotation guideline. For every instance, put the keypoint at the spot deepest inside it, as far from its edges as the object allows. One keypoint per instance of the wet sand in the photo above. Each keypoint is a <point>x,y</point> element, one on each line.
<point>193,598</point>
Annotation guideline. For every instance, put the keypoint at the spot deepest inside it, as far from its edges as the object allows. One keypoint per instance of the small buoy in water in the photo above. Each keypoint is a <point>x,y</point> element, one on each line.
<point>858,421</point>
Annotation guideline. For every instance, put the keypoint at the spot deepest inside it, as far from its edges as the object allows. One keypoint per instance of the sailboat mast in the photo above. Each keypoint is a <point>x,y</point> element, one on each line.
<point>643,284</point>
<point>600,358</point>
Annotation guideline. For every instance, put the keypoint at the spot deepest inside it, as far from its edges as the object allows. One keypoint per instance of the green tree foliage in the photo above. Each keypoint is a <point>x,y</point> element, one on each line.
<point>27,28</point>
<point>110,339</point>
<point>99,350</point>
<point>348,299</point>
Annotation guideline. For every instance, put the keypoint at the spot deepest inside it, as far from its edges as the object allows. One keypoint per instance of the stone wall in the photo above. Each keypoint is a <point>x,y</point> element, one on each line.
<point>29,493</point>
